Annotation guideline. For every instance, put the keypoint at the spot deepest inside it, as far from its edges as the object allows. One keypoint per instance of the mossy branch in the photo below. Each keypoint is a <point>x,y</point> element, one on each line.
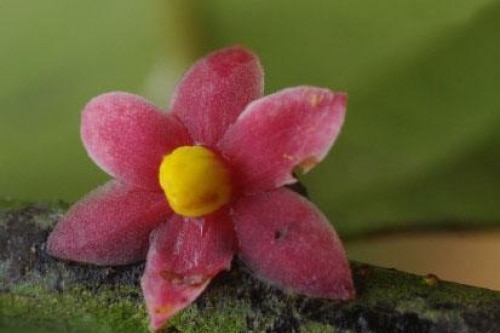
<point>39,291</point>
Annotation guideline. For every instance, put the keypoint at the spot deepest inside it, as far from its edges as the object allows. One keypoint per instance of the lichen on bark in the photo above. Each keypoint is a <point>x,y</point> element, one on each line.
<point>41,294</point>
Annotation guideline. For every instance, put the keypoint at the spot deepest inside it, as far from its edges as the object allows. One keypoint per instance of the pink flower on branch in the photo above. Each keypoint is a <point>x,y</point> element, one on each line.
<point>205,181</point>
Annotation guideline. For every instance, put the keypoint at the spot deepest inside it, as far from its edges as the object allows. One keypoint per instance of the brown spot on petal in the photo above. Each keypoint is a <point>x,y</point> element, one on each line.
<point>169,276</point>
<point>195,280</point>
<point>308,163</point>
<point>167,308</point>
<point>315,100</point>
<point>279,234</point>
<point>179,279</point>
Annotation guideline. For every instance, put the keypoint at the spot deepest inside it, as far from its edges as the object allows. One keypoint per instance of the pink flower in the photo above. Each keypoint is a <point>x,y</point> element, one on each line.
<point>194,186</point>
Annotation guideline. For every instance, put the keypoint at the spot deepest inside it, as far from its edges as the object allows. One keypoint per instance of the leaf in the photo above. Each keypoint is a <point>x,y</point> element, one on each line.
<point>54,58</point>
<point>421,134</point>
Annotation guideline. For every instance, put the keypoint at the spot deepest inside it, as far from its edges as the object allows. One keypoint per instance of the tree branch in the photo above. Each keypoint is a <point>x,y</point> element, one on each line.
<point>39,291</point>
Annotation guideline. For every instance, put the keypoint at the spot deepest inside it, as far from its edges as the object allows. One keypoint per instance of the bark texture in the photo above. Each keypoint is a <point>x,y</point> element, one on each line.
<point>41,294</point>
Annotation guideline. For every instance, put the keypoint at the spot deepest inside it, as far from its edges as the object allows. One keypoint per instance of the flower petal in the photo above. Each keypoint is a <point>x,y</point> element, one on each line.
<point>109,226</point>
<point>185,254</point>
<point>294,127</point>
<point>215,91</point>
<point>289,243</point>
<point>127,137</point>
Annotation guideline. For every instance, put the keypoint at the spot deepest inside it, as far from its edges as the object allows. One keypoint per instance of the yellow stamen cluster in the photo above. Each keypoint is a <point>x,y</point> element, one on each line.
<point>195,180</point>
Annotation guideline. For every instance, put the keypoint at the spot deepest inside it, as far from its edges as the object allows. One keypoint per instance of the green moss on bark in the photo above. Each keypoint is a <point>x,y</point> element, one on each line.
<point>74,310</point>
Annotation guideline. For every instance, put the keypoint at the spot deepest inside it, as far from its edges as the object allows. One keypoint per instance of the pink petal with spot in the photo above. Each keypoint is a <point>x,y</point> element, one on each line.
<point>185,254</point>
<point>289,243</point>
<point>215,91</point>
<point>109,226</point>
<point>127,137</point>
<point>165,299</point>
<point>275,134</point>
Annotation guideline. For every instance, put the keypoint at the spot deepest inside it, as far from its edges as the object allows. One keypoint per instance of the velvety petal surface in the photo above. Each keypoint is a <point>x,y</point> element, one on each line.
<point>109,226</point>
<point>215,90</point>
<point>292,128</point>
<point>127,137</point>
<point>185,254</point>
<point>288,242</point>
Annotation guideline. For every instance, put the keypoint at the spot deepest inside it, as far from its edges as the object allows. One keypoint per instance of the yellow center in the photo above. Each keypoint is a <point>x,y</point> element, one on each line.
<point>195,180</point>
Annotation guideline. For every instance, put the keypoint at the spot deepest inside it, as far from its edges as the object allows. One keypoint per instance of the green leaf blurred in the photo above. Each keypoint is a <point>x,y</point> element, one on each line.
<point>421,139</point>
<point>420,143</point>
<point>55,56</point>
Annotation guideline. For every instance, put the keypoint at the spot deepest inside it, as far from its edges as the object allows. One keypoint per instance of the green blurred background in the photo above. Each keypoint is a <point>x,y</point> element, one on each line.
<point>420,143</point>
